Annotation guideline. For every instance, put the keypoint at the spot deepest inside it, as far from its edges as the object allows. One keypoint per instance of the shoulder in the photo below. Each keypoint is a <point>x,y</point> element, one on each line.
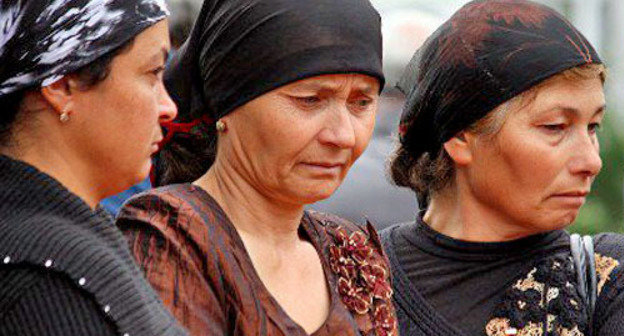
<point>329,222</point>
<point>181,209</point>
<point>610,244</point>
<point>14,283</point>
<point>388,235</point>
<point>178,226</point>
<point>170,199</point>
<point>609,249</point>
<point>37,300</point>
<point>340,230</point>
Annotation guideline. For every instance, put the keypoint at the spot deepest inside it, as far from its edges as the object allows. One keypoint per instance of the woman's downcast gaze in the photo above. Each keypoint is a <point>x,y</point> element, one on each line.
<point>262,111</point>
<point>498,140</point>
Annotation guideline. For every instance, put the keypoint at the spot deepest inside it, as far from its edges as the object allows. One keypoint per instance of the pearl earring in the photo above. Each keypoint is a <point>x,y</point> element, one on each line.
<point>221,126</point>
<point>64,116</point>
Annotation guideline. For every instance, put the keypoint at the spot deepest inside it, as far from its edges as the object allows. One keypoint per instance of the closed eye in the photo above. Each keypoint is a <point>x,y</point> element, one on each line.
<point>553,127</point>
<point>593,128</point>
<point>158,71</point>
<point>308,100</point>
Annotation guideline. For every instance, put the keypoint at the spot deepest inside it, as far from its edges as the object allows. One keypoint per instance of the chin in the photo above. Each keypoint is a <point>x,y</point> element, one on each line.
<point>313,196</point>
<point>144,171</point>
<point>558,222</point>
<point>312,191</point>
<point>135,177</point>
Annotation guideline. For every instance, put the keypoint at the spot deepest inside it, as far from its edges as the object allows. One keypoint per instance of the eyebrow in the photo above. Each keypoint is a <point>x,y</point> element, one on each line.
<point>576,112</point>
<point>318,86</point>
<point>164,53</point>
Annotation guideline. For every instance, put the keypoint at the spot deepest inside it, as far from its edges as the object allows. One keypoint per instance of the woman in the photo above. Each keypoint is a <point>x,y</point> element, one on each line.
<point>498,141</point>
<point>82,95</point>
<point>277,100</point>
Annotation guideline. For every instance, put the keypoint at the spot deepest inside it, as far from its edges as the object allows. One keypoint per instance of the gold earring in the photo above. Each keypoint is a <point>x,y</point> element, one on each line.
<point>64,116</point>
<point>221,126</point>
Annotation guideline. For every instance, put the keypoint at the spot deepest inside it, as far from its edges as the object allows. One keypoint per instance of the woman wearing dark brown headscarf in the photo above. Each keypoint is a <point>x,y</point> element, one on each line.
<point>277,99</point>
<point>498,141</point>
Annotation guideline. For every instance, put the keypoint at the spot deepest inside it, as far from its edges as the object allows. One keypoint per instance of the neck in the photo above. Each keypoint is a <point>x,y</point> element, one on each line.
<point>53,158</point>
<point>454,212</point>
<point>252,213</point>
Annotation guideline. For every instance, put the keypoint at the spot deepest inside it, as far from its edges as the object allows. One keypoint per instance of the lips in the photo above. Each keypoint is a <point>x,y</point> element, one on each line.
<point>156,145</point>
<point>325,164</point>
<point>325,168</point>
<point>573,193</point>
<point>574,198</point>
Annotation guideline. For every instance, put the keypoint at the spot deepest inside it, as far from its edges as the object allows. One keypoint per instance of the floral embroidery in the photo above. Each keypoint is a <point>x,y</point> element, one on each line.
<point>548,290</point>
<point>362,279</point>
<point>544,300</point>
<point>355,298</point>
<point>604,267</point>
<point>529,283</point>
<point>497,327</point>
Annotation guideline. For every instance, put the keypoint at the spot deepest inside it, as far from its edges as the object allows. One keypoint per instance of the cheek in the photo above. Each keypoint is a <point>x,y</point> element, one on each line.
<point>363,127</point>
<point>135,118</point>
<point>529,170</point>
<point>270,139</point>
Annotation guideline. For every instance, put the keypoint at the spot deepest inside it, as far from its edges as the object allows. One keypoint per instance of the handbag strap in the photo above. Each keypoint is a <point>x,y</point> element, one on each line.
<point>582,249</point>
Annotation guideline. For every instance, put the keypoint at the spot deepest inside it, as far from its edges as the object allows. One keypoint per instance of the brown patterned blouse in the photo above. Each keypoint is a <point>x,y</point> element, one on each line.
<point>194,258</point>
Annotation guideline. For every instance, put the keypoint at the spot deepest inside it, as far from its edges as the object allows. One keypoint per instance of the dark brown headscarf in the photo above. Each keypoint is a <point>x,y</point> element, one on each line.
<point>485,54</point>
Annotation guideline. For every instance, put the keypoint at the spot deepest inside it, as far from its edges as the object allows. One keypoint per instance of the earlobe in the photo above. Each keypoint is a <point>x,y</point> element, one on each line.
<point>459,149</point>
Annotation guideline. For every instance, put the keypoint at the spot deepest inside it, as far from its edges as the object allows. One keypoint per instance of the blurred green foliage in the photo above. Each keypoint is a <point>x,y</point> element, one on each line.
<point>604,210</point>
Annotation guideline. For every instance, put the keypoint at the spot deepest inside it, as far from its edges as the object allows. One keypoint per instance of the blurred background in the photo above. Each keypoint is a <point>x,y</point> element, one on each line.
<point>367,191</point>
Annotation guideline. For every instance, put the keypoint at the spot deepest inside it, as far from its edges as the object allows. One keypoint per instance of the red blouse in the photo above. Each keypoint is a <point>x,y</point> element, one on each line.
<point>194,258</point>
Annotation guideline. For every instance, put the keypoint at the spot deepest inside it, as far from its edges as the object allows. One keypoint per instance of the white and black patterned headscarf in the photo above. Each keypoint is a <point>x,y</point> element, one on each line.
<point>43,40</point>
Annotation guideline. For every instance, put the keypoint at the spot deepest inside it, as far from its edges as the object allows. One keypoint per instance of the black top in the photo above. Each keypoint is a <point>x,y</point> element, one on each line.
<point>65,269</point>
<point>444,286</point>
<point>47,303</point>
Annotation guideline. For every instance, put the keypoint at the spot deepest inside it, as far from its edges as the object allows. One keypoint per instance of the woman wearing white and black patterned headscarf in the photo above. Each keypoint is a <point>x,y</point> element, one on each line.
<point>82,99</point>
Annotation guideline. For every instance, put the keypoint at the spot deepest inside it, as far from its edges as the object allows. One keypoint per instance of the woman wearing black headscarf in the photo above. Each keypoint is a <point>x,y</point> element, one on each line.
<point>277,100</point>
<point>82,99</point>
<point>498,141</point>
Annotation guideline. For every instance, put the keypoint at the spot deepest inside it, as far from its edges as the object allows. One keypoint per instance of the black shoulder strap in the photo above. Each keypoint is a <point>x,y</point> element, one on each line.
<point>582,249</point>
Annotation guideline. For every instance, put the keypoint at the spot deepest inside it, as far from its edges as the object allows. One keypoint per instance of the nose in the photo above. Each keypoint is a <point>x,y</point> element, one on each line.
<point>338,131</point>
<point>586,160</point>
<point>167,108</point>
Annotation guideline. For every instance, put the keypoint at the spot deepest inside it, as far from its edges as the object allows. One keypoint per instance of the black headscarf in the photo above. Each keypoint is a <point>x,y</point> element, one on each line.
<point>486,53</point>
<point>43,40</point>
<point>241,49</point>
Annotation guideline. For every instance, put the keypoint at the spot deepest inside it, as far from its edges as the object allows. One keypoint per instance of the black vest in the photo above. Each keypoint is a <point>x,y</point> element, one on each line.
<point>42,224</point>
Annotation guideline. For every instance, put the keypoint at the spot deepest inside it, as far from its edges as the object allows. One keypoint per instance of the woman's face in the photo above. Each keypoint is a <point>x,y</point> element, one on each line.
<point>537,171</point>
<point>295,144</point>
<point>117,122</point>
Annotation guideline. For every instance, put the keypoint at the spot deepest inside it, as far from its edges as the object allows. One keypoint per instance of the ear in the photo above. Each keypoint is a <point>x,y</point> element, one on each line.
<point>459,148</point>
<point>59,94</point>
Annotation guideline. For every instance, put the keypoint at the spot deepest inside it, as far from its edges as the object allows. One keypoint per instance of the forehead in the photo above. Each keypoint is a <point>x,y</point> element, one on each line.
<point>336,82</point>
<point>150,42</point>
<point>562,93</point>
